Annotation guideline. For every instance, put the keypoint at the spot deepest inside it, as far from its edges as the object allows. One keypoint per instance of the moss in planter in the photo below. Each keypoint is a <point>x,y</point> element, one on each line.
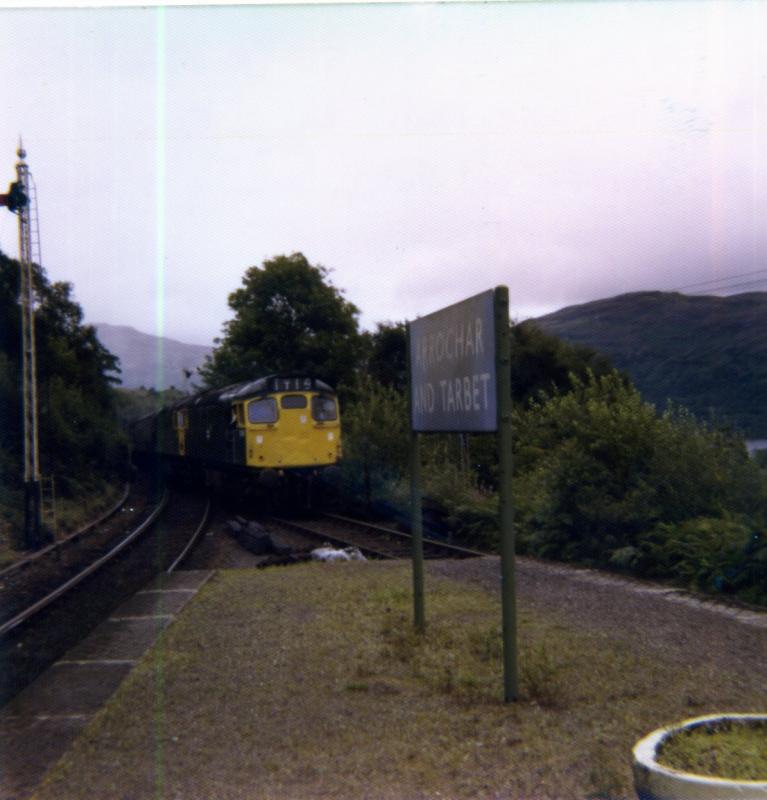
<point>729,749</point>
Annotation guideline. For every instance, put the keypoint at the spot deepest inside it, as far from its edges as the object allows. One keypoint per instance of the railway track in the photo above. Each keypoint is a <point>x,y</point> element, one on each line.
<point>375,541</point>
<point>66,542</point>
<point>32,585</point>
<point>54,601</point>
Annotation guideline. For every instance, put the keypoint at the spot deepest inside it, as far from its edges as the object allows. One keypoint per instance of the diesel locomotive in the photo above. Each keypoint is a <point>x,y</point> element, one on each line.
<point>271,426</point>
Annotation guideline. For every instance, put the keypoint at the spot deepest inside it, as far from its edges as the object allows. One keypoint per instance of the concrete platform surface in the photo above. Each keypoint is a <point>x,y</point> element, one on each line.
<point>39,725</point>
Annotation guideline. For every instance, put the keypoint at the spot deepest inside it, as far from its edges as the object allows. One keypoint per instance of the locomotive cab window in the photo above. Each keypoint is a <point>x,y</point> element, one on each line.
<point>264,410</point>
<point>324,409</point>
<point>293,401</point>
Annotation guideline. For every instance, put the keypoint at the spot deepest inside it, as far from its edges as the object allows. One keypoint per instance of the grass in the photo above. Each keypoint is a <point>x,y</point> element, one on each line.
<point>71,514</point>
<point>733,750</point>
<point>309,682</point>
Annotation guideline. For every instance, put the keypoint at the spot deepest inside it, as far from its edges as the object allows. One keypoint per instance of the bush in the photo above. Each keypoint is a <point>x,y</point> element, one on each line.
<point>375,440</point>
<point>715,554</point>
<point>603,479</point>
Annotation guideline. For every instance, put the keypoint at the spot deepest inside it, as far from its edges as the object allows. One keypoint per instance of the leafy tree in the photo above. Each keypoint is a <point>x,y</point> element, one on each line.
<point>386,354</point>
<point>376,437</point>
<point>597,468</point>
<point>79,437</point>
<point>543,362</point>
<point>539,361</point>
<point>288,317</point>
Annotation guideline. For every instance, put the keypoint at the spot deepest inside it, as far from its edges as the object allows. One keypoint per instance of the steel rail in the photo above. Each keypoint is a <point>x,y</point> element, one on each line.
<point>326,537</point>
<point>400,534</point>
<point>193,540</point>
<point>369,528</point>
<point>23,616</point>
<point>28,560</point>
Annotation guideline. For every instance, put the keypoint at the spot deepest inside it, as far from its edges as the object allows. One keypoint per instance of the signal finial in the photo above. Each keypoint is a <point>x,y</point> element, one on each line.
<point>21,152</point>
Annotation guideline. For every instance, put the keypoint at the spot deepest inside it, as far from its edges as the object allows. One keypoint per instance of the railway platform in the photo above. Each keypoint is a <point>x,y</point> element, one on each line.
<point>40,724</point>
<point>305,682</point>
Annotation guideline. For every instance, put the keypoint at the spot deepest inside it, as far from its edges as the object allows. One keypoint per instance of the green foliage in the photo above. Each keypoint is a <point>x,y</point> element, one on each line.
<point>728,749</point>
<point>78,432</point>
<point>721,554</point>
<point>453,489</point>
<point>288,317</point>
<point>541,362</point>
<point>376,436</point>
<point>602,479</point>
<point>385,355</point>
<point>582,470</point>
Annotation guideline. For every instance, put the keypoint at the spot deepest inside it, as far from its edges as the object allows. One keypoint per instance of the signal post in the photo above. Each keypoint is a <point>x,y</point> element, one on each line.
<point>17,200</point>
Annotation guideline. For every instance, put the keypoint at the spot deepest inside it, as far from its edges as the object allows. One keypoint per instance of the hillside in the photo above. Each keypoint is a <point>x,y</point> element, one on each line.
<point>707,353</point>
<point>151,361</point>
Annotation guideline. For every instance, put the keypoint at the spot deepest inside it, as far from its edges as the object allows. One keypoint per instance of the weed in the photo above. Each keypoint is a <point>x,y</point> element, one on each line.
<point>400,637</point>
<point>606,780</point>
<point>540,677</point>
<point>487,645</point>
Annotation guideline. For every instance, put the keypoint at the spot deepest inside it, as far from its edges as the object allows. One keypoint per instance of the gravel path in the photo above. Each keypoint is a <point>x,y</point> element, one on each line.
<point>649,617</point>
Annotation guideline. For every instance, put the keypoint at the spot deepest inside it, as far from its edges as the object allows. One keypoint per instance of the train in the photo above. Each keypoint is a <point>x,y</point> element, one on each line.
<point>267,428</point>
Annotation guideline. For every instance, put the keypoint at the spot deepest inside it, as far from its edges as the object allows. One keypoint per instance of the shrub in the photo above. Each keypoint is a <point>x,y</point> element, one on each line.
<point>603,479</point>
<point>720,554</point>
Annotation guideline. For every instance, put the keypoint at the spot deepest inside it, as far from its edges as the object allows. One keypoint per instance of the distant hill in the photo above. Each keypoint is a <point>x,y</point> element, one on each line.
<point>706,353</point>
<point>151,361</point>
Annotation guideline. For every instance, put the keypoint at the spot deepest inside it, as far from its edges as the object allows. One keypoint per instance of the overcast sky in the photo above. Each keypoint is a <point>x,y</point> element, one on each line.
<point>424,153</point>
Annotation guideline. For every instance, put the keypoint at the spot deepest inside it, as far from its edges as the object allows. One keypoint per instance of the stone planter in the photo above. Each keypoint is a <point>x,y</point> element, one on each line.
<point>654,781</point>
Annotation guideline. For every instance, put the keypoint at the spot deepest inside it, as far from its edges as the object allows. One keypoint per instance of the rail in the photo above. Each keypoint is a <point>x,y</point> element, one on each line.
<point>375,549</point>
<point>29,612</point>
<point>466,551</point>
<point>193,540</point>
<point>28,560</point>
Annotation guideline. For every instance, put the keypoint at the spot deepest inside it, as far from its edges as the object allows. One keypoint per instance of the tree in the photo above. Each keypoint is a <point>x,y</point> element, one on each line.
<point>387,356</point>
<point>288,317</point>
<point>376,437</point>
<point>598,468</point>
<point>543,362</point>
<point>539,361</point>
<point>79,436</point>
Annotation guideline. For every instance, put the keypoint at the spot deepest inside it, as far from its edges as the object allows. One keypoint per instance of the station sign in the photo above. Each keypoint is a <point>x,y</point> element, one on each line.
<point>453,368</point>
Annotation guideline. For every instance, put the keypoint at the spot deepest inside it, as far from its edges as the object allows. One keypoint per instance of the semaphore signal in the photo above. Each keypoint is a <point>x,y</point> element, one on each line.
<point>21,200</point>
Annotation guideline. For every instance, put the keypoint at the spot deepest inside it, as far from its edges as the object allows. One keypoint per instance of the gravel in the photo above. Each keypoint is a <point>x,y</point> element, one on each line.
<point>651,618</point>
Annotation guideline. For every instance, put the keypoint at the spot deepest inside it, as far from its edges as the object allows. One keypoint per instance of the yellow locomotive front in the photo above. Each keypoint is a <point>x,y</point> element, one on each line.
<point>293,426</point>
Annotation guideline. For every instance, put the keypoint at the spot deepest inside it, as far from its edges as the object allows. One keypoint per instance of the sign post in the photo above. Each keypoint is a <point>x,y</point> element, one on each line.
<point>459,363</point>
<point>505,504</point>
<point>416,516</point>
<point>416,528</point>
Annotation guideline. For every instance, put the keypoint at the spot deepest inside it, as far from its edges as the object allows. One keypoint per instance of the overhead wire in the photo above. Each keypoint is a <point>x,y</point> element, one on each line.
<point>748,285</point>
<point>723,283</point>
